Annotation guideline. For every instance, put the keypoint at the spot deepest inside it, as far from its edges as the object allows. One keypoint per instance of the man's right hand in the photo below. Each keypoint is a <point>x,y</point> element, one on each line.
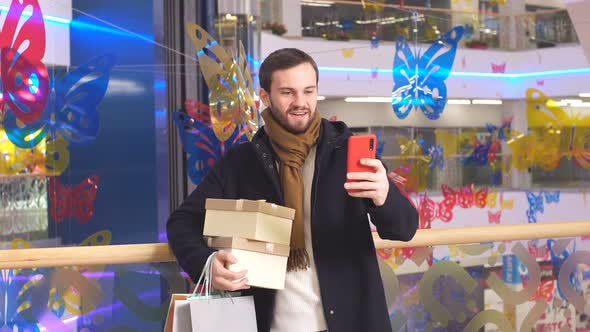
<point>224,279</point>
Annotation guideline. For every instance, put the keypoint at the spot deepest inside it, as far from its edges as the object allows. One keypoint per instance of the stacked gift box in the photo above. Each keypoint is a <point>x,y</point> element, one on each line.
<point>257,233</point>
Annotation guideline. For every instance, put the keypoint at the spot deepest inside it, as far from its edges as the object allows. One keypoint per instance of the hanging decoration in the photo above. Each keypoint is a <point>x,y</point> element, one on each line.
<point>380,143</point>
<point>230,85</point>
<point>202,145</point>
<point>465,197</point>
<point>413,164</point>
<point>494,217</point>
<point>372,5</point>
<point>374,40</point>
<point>24,78</point>
<point>553,134</point>
<point>498,68</point>
<point>419,79</point>
<point>76,202</point>
<point>348,53</point>
<point>535,205</point>
<point>72,111</point>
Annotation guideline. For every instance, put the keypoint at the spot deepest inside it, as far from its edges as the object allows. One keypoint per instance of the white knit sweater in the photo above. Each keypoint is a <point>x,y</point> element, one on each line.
<point>298,307</point>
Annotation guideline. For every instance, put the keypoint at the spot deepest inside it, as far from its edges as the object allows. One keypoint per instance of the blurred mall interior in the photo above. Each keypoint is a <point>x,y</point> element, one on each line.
<point>482,105</point>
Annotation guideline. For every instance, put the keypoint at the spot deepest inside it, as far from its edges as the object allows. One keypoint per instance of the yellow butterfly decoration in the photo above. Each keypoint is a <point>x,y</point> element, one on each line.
<point>506,204</point>
<point>453,144</point>
<point>522,149</point>
<point>231,100</point>
<point>374,5</point>
<point>492,199</point>
<point>348,53</point>
<point>416,160</point>
<point>447,141</point>
<point>556,133</point>
<point>48,157</point>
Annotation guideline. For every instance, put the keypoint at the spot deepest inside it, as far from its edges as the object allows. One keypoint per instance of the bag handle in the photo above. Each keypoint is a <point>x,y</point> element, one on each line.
<point>205,277</point>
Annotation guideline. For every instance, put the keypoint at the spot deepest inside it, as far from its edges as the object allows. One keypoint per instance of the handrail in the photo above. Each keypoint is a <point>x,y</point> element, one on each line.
<point>160,252</point>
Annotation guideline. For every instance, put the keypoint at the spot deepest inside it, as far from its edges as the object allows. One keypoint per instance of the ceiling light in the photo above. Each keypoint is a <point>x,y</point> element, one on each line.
<point>572,101</point>
<point>459,102</point>
<point>486,102</point>
<point>367,99</point>
<point>321,97</point>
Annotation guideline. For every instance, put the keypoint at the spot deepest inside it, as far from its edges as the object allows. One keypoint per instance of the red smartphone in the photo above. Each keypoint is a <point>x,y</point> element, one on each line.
<point>359,147</point>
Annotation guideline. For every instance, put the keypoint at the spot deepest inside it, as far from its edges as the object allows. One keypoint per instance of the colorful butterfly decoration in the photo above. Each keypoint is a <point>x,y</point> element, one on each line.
<point>535,205</point>
<point>466,197</point>
<point>72,110</point>
<point>201,144</point>
<point>544,291</point>
<point>70,116</point>
<point>13,160</point>
<point>380,143</point>
<point>76,202</point>
<point>494,217</point>
<point>413,164</point>
<point>41,297</point>
<point>498,68</point>
<point>231,99</point>
<point>471,149</point>
<point>504,131</point>
<point>24,78</point>
<point>557,259</point>
<point>507,204</point>
<point>372,5</point>
<point>429,210</point>
<point>537,251</point>
<point>435,152</point>
<point>551,197</point>
<point>492,199</point>
<point>553,134</point>
<point>419,80</point>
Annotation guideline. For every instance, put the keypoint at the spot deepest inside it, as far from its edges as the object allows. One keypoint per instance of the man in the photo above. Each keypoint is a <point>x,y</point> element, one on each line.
<point>299,160</point>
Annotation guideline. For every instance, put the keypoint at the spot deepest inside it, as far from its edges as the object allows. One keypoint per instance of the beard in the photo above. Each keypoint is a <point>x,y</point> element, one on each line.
<point>298,127</point>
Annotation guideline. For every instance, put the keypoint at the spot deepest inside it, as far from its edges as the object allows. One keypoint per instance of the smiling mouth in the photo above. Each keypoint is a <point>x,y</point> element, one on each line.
<point>298,113</point>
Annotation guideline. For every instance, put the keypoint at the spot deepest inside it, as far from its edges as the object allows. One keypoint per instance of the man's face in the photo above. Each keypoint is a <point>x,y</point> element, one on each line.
<point>292,97</point>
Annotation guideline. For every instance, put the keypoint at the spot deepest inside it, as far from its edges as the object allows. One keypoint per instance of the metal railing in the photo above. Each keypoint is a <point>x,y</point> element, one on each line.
<point>343,20</point>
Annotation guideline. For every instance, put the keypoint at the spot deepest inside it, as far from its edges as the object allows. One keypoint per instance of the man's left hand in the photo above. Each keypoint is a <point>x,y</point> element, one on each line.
<point>371,185</point>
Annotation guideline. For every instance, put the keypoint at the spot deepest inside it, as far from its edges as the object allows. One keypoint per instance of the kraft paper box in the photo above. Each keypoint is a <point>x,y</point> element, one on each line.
<point>253,220</point>
<point>266,262</point>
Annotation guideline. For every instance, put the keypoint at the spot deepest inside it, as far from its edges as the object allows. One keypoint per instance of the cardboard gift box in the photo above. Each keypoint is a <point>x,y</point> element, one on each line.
<point>247,219</point>
<point>266,262</point>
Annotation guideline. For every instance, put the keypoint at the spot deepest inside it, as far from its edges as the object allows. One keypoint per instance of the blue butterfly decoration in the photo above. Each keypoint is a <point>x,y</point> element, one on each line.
<point>201,144</point>
<point>435,152</point>
<point>419,80</point>
<point>551,197</point>
<point>557,261</point>
<point>436,260</point>
<point>502,132</point>
<point>479,156</point>
<point>24,301</point>
<point>535,205</point>
<point>71,110</point>
<point>380,143</point>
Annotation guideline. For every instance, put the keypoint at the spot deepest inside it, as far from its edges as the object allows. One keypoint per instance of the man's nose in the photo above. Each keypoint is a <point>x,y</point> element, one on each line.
<point>299,101</point>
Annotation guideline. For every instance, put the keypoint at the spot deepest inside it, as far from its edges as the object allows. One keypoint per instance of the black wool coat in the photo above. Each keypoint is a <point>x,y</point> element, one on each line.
<point>350,283</point>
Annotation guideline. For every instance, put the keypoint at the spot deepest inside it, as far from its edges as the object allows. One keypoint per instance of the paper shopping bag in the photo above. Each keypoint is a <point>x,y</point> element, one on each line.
<point>223,314</point>
<point>179,315</point>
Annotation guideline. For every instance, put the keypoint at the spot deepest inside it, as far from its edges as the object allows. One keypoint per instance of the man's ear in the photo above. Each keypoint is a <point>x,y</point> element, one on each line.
<point>264,97</point>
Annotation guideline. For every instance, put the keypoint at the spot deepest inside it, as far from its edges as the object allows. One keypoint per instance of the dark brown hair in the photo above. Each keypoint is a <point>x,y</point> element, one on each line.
<point>284,58</point>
